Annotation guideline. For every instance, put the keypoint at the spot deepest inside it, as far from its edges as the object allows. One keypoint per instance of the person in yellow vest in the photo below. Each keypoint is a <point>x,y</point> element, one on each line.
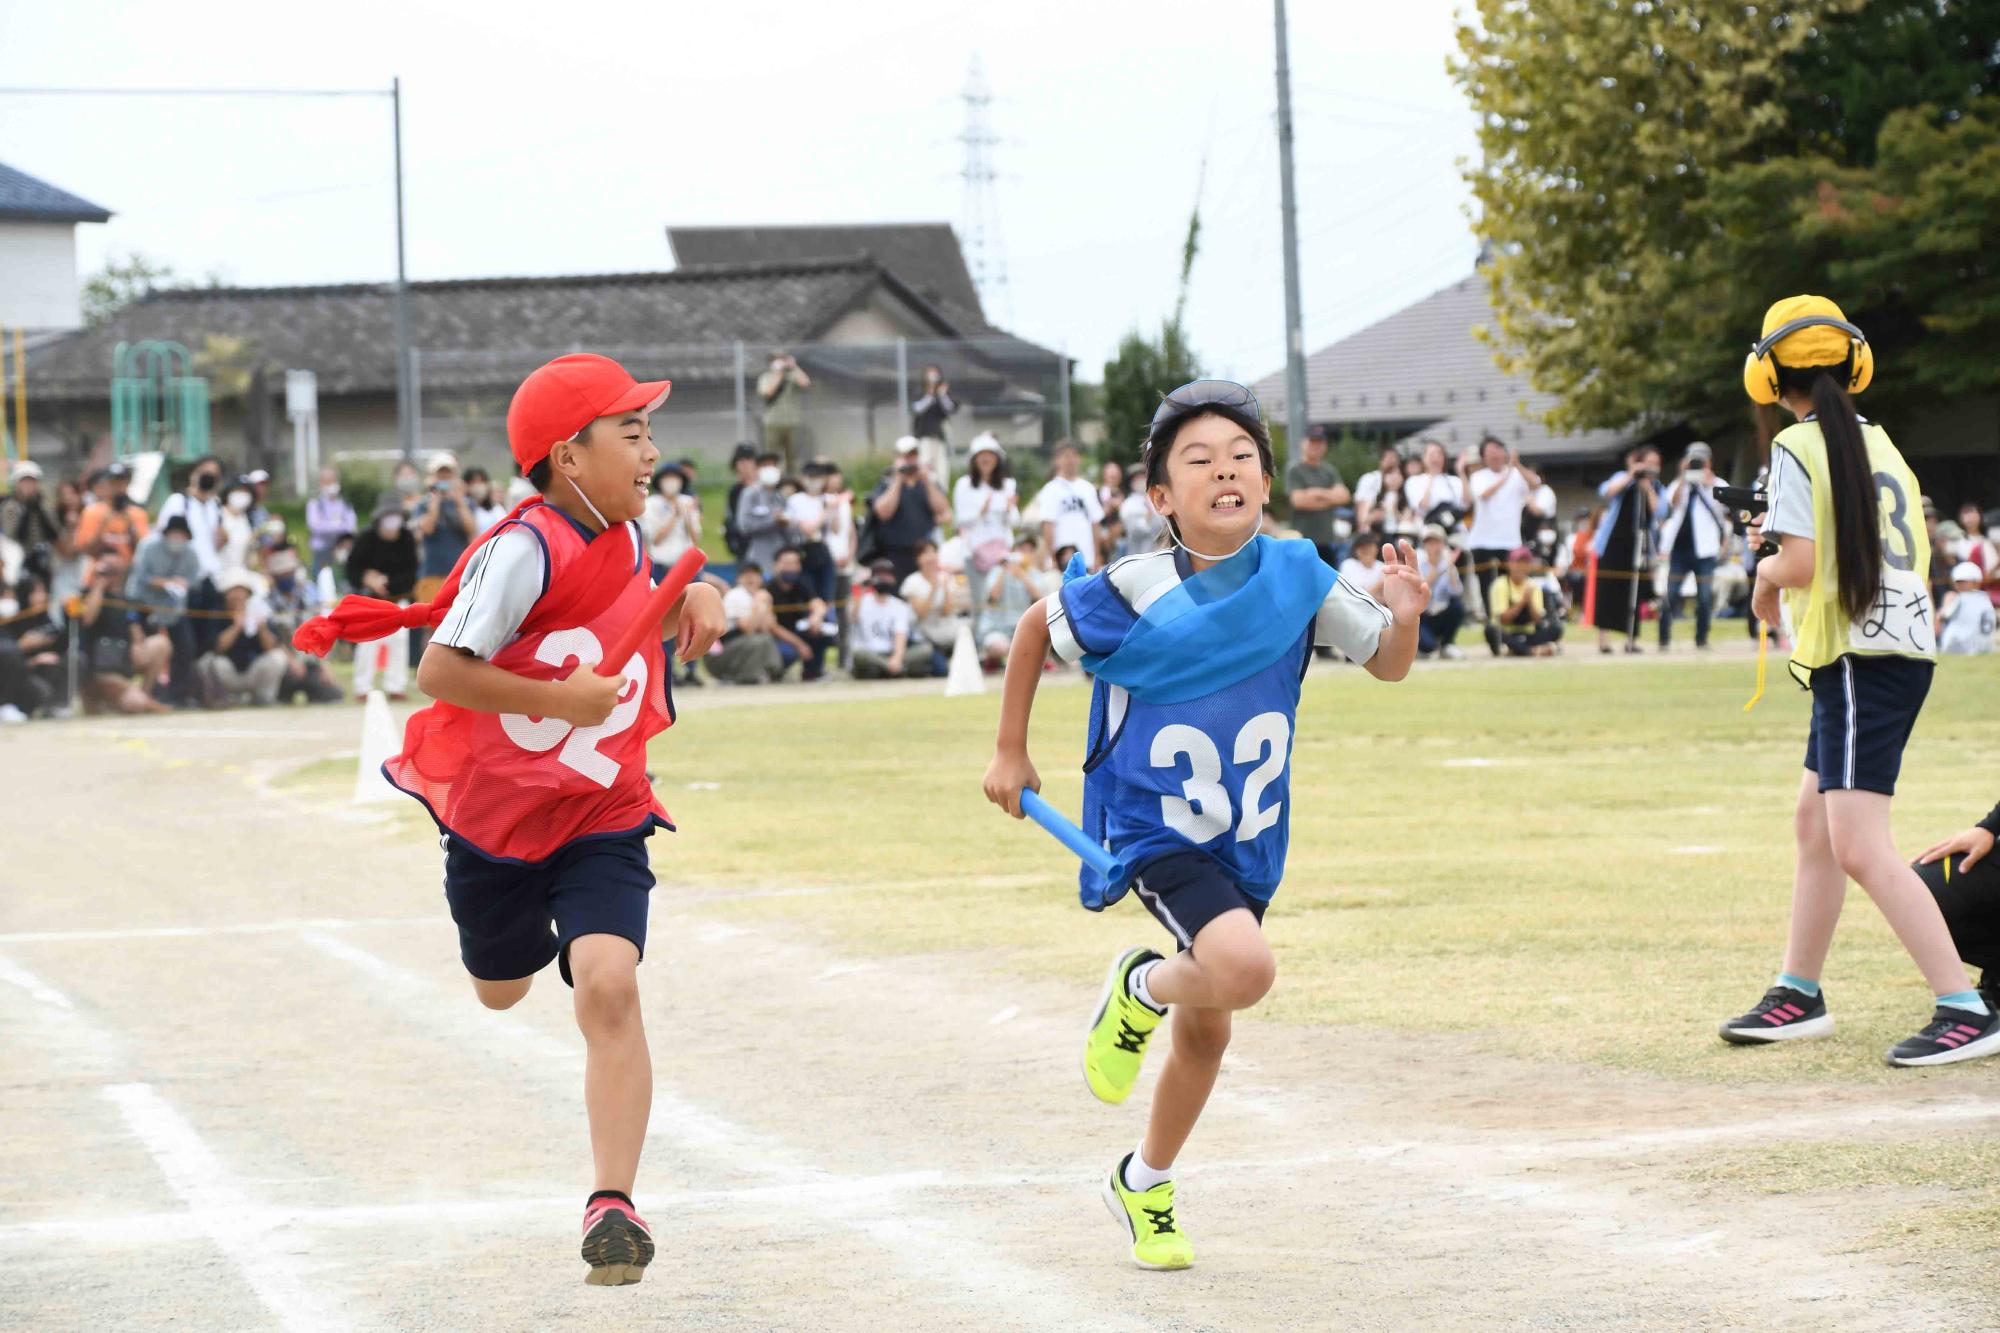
<point>1853,568</point>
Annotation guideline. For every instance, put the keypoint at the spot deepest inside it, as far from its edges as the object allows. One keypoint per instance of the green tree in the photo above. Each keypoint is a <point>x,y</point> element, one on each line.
<point>1134,379</point>
<point>1653,176</point>
<point>121,282</point>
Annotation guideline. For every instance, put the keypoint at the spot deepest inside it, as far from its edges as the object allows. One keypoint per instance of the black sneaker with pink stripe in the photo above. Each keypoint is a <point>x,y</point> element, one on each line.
<point>1783,1014</point>
<point>1954,1034</point>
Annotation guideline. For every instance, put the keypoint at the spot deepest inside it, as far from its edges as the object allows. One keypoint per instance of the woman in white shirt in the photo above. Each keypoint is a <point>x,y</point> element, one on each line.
<point>1500,491</point>
<point>238,534</point>
<point>671,521</point>
<point>1434,487</point>
<point>984,505</point>
<point>1377,495</point>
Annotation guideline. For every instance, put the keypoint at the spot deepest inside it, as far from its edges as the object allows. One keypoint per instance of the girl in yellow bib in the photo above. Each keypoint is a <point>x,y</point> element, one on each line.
<point>1853,568</point>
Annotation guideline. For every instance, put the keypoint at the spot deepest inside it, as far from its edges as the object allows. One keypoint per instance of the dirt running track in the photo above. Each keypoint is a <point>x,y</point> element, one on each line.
<point>243,1085</point>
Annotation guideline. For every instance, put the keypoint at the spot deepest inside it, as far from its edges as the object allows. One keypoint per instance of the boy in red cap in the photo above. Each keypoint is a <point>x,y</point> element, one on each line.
<point>534,766</point>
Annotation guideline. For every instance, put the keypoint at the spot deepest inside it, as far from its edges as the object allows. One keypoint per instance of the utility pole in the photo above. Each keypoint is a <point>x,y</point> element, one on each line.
<point>406,406</point>
<point>1295,336</point>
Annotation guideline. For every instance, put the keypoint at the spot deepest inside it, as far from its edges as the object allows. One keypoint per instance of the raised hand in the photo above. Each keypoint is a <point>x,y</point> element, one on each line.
<point>1404,591</point>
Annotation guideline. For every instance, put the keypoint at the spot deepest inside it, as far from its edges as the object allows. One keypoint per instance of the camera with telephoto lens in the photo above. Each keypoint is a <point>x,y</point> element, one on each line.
<point>1748,503</point>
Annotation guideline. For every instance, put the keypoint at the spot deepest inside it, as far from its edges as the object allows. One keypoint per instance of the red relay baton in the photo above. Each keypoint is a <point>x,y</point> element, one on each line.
<point>658,603</point>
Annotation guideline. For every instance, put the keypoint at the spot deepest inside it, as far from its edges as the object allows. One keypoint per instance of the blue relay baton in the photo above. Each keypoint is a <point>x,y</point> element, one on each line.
<point>1072,837</point>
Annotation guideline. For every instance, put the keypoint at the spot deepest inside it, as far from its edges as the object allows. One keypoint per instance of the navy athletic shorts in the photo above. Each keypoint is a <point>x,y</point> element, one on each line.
<point>1186,890</point>
<point>514,917</point>
<point>1862,712</point>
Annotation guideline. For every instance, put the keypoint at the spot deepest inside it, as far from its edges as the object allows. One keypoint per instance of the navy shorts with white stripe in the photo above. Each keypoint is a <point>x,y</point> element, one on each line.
<point>1186,890</point>
<point>1862,713</point>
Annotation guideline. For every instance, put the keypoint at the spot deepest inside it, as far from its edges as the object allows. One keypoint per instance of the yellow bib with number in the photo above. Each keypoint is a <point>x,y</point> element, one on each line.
<point>1900,622</point>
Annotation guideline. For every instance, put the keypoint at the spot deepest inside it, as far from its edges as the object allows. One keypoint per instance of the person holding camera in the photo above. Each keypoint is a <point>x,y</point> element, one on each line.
<point>1692,527</point>
<point>782,388</point>
<point>886,646</point>
<point>1500,491</point>
<point>111,519</point>
<point>444,525</point>
<point>928,415</point>
<point>907,505</point>
<point>28,516</point>
<point>1623,548</point>
<point>383,563</point>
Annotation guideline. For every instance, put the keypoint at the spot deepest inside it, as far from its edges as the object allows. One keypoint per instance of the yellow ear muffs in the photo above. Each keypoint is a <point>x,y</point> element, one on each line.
<point>1760,377</point>
<point>1760,368</point>
<point>1864,366</point>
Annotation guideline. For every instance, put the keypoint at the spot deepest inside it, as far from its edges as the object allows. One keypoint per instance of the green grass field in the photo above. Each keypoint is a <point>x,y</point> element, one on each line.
<point>1541,841</point>
<point>1538,840</point>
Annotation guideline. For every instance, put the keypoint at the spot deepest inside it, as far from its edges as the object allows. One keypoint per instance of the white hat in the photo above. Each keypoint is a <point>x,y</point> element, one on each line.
<point>241,578</point>
<point>985,443</point>
<point>257,477</point>
<point>1964,570</point>
<point>443,458</point>
<point>27,468</point>
<point>906,444</point>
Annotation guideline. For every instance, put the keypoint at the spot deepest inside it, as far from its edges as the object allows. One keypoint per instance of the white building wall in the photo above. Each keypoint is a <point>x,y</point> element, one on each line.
<point>38,288</point>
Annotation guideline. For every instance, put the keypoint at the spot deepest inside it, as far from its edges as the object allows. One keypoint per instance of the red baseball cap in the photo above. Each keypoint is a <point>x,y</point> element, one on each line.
<point>562,397</point>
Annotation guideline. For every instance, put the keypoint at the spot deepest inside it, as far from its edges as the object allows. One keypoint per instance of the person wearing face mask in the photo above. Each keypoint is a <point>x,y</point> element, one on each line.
<point>293,598</point>
<point>760,513</point>
<point>782,388</point>
<point>384,564</point>
<point>806,510</point>
<point>482,499</point>
<point>672,523</point>
<point>201,505</point>
<point>111,520</point>
<point>328,515</point>
<point>884,625</point>
<point>409,486</point>
<point>164,577</point>
<point>239,535</point>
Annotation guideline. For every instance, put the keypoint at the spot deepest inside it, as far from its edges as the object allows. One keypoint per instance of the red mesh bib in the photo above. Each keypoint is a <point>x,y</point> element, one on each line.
<point>521,788</point>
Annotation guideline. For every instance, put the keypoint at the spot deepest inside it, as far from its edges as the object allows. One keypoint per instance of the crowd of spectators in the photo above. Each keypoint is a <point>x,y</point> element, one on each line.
<point>106,607</point>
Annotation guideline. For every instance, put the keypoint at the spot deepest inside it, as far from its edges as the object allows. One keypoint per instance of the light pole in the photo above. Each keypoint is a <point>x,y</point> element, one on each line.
<point>1295,336</point>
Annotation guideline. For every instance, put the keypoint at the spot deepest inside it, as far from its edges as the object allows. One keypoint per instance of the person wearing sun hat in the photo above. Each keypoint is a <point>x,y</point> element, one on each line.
<point>1853,568</point>
<point>1965,615</point>
<point>534,766</point>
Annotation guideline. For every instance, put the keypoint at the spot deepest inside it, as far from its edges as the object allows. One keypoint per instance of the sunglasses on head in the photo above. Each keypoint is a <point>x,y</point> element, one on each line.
<point>1198,395</point>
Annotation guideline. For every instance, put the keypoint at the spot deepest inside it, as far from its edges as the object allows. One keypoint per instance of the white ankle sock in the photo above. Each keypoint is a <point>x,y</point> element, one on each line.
<point>1139,1177</point>
<point>1135,981</point>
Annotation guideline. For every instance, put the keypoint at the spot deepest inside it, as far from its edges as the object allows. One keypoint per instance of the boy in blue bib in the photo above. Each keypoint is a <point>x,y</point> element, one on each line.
<point>1197,659</point>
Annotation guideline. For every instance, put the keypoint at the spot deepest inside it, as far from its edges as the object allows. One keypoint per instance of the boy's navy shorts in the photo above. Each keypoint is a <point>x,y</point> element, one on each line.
<point>1186,890</point>
<point>515,916</point>
<point>1863,710</point>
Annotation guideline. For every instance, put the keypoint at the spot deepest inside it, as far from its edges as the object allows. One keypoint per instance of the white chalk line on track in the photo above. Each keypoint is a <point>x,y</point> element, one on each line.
<point>217,1209</point>
<point>939,1253</point>
<point>16,975</point>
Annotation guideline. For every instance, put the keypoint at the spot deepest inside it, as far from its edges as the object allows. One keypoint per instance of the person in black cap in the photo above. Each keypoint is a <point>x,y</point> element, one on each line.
<point>111,521</point>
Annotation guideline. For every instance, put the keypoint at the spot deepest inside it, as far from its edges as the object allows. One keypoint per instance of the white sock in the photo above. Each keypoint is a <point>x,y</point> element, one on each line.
<point>1135,982</point>
<point>1139,1177</point>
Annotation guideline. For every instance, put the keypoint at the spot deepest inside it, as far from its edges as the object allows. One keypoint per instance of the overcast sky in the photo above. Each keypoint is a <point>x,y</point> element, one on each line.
<point>549,139</point>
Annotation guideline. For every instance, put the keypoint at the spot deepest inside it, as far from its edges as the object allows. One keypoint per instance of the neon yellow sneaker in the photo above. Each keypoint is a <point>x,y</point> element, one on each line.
<point>1117,1040</point>
<point>1157,1240</point>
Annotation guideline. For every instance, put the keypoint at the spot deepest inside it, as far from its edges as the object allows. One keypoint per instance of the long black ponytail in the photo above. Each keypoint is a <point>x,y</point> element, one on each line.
<point>1857,508</point>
